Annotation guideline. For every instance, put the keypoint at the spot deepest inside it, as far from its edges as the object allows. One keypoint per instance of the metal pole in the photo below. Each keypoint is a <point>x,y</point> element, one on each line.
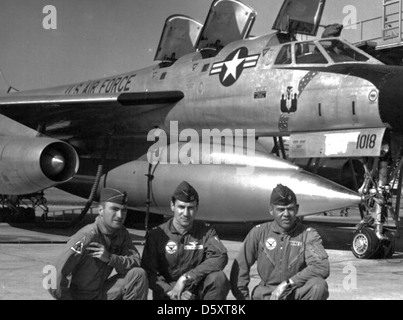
<point>383,20</point>
<point>399,194</point>
<point>400,19</point>
<point>148,202</point>
<point>361,30</point>
<point>350,163</point>
<point>282,148</point>
<point>276,146</point>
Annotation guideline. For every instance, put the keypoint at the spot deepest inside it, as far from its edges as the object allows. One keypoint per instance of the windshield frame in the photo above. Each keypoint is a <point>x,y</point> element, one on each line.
<point>329,59</point>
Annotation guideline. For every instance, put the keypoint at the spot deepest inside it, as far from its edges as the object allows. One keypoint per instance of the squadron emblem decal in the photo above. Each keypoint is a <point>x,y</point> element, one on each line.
<point>171,247</point>
<point>289,101</point>
<point>231,68</point>
<point>271,244</point>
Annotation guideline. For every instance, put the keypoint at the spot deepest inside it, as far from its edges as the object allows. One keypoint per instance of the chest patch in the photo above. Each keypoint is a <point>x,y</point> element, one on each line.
<point>271,244</point>
<point>295,243</point>
<point>171,247</point>
<point>193,245</point>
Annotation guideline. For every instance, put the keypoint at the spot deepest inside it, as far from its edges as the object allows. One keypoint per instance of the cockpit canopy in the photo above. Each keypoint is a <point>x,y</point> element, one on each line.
<point>323,51</point>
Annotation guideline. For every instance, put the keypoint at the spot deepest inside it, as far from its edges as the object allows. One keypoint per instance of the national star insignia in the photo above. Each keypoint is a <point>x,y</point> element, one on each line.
<point>230,69</point>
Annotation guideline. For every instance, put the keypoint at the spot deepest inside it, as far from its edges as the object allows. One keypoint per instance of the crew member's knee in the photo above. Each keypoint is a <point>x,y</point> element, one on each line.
<point>216,286</point>
<point>136,284</point>
<point>319,288</point>
<point>137,274</point>
<point>217,278</point>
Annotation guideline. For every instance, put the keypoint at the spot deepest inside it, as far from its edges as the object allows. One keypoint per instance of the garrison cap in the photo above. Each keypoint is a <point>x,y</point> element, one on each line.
<point>282,196</point>
<point>113,195</point>
<point>185,193</point>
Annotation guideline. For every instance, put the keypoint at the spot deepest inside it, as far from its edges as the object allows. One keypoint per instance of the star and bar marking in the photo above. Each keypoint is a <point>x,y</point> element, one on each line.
<point>232,67</point>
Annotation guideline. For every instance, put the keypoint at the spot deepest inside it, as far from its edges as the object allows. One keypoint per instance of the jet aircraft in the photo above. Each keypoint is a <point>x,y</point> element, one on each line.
<point>205,112</point>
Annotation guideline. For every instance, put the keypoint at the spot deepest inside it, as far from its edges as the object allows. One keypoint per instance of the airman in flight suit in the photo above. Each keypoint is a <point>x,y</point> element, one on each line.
<point>184,258</point>
<point>95,251</point>
<point>291,260</point>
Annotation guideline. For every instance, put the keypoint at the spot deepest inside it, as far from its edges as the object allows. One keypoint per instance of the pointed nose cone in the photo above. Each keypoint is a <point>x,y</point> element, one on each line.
<point>231,193</point>
<point>391,99</point>
<point>316,194</point>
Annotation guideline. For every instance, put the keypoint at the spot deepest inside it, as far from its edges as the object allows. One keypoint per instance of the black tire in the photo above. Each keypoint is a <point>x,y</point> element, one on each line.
<point>365,244</point>
<point>387,246</point>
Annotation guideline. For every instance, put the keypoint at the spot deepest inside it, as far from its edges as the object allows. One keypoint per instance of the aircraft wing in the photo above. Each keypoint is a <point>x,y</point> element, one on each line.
<point>93,100</point>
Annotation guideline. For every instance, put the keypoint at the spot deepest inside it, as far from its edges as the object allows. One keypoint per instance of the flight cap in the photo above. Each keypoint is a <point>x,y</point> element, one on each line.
<point>185,193</point>
<point>113,195</point>
<point>282,196</point>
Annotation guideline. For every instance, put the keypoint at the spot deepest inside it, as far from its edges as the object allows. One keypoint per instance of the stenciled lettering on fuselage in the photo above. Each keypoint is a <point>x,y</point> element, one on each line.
<point>231,68</point>
<point>111,85</point>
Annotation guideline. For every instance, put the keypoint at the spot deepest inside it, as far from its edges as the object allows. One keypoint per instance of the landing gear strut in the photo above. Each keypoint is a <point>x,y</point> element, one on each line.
<point>372,239</point>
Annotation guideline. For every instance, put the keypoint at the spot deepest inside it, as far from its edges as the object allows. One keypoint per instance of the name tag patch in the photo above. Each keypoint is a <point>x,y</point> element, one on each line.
<point>193,245</point>
<point>295,243</point>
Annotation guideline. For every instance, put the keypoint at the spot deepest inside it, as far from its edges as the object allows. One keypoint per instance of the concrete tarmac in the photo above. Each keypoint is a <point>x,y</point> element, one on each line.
<point>24,255</point>
<point>26,250</point>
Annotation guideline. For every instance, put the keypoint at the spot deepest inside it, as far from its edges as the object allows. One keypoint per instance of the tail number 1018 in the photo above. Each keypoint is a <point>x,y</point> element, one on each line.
<point>366,141</point>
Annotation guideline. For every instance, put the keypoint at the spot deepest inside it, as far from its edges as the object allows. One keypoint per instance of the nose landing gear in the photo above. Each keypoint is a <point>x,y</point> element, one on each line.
<point>367,245</point>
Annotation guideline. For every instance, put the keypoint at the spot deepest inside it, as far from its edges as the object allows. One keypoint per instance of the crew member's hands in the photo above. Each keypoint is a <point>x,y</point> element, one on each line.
<point>176,292</point>
<point>276,294</point>
<point>187,295</point>
<point>97,250</point>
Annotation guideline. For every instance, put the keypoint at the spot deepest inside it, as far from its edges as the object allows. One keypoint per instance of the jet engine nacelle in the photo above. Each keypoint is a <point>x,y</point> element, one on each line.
<point>28,165</point>
<point>232,187</point>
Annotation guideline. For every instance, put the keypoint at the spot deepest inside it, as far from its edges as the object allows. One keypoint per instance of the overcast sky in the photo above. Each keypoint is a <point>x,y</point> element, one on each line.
<point>96,38</point>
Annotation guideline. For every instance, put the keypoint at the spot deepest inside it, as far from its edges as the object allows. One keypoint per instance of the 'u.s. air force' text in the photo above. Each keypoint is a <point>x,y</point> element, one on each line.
<point>213,309</point>
<point>110,85</point>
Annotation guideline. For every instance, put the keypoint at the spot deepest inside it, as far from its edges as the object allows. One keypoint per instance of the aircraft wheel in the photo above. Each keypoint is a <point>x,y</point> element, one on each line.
<point>387,246</point>
<point>365,244</point>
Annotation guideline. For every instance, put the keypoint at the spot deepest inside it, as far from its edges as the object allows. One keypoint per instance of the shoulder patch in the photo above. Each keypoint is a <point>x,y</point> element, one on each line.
<point>78,246</point>
<point>258,226</point>
<point>309,229</point>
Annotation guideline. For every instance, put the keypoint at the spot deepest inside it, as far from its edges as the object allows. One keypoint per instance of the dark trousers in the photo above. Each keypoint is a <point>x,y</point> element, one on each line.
<point>313,289</point>
<point>132,285</point>
<point>215,286</point>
